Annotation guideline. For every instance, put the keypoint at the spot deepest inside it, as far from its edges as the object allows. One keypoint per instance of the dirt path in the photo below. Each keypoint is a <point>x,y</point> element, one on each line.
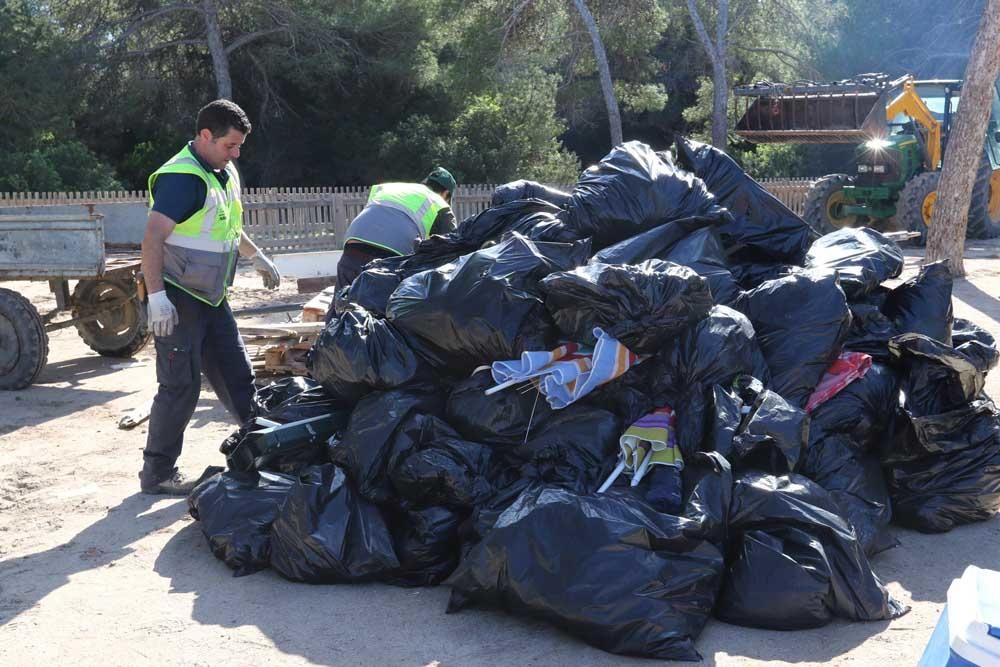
<point>94,572</point>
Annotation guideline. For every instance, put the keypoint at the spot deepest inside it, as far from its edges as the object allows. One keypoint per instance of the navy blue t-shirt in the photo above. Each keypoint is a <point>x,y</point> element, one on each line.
<point>179,196</point>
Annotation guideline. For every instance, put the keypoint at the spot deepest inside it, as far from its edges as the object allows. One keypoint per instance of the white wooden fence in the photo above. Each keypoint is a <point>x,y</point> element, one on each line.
<point>287,220</point>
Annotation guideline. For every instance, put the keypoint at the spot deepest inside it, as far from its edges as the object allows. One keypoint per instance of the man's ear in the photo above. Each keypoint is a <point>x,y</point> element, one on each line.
<point>205,134</point>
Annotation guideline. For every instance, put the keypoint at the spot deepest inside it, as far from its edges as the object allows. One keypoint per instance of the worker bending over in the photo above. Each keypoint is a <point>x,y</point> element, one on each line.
<point>396,217</point>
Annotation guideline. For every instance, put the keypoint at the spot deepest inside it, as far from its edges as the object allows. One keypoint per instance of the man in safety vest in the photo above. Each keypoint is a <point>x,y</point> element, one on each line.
<point>193,238</point>
<point>396,217</point>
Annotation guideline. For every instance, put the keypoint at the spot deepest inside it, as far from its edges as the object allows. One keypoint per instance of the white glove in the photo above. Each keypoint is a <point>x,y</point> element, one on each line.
<point>267,270</point>
<point>162,314</point>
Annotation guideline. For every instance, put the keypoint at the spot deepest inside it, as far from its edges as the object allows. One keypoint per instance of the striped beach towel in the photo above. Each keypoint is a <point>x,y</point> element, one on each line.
<point>570,372</point>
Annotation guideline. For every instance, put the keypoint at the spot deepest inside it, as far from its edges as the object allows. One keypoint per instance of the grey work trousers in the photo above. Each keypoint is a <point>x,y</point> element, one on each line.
<point>205,340</point>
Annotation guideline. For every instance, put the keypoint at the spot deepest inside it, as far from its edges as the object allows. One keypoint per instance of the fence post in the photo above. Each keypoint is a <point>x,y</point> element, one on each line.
<point>340,221</point>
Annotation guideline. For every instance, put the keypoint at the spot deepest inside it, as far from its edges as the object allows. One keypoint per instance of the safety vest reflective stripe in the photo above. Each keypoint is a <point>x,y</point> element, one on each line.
<point>199,243</point>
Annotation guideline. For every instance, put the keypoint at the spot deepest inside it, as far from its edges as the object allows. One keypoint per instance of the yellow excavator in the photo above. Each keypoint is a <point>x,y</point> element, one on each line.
<point>901,128</point>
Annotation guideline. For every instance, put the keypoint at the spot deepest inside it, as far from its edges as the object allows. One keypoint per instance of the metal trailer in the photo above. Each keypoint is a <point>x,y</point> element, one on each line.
<point>106,306</point>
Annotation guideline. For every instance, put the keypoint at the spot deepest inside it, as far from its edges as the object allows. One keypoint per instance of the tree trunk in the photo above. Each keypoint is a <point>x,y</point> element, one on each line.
<point>607,88</point>
<point>220,61</point>
<point>717,53</point>
<point>946,236</point>
<point>720,100</point>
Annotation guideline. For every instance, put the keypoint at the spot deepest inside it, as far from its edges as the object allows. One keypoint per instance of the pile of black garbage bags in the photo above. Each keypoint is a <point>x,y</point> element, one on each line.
<point>391,463</point>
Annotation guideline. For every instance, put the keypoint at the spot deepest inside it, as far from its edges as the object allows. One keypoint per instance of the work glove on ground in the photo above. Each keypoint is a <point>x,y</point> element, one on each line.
<point>162,316</point>
<point>267,270</point>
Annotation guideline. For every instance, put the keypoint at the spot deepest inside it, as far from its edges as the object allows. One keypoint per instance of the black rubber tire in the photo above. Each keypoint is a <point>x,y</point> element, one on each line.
<point>817,205</point>
<point>24,345</point>
<point>119,333</point>
<point>910,207</point>
<point>981,225</point>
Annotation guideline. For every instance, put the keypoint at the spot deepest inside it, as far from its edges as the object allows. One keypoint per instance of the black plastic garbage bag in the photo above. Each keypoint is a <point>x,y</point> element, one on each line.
<point>976,345</point>
<point>533,218</point>
<point>963,331</point>
<point>862,410</point>
<point>771,436</point>
<point>686,242</point>
<point>631,191</point>
<point>871,330</point>
<point>504,418</point>
<point>639,305</point>
<point>923,304</point>
<point>444,470</point>
<point>750,273</point>
<point>606,568</point>
<point>937,378</point>
<point>574,448</point>
<point>863,258</point>
<point>855,482</point>
<point>773,505</point>
<point>801,322</point>
<point>236,511</point>
<point>943,459</point>
<point>760,221</point>
<point>426,545</point>
<point>357,353</point>
<point>326,533</point>
<point>654,244</point>
<point>708,493</point>
<point>958,480</point>
<point>477,310</point>
<point>383,429</point>
<point>370,290</point>
<point>430,253</point>
<point>778,579</point>
<point>523,189</point>
<point>294,399</point>
<point>715,351</point>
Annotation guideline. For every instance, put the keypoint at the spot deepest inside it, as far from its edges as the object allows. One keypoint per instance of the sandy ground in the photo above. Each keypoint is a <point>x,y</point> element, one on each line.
<point>94,572</point>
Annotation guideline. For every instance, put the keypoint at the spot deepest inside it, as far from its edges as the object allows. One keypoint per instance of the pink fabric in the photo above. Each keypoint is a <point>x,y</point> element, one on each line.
<point>847,368</point>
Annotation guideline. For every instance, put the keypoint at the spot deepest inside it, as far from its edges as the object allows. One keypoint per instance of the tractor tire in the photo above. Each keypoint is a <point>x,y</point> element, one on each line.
<point>823,196</point>
<point>24,345</point>
<point>916,203</point>
<point>983,223</point>
<point>119,332</point>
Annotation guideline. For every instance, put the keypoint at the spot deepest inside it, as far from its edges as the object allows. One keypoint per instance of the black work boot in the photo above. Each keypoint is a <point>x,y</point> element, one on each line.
<point>178,484</point>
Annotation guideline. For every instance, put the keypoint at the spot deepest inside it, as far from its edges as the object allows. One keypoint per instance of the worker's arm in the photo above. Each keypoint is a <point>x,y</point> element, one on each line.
<point>444,222</point>
<point>264,266</point>
<point>161,314</point>
<point>247,247</point>
<point>158,228</point>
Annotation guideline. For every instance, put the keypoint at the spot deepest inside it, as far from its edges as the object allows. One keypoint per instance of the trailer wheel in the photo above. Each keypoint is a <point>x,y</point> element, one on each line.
<point>823,201</point>
<point>24,345</point>
<point>120,331</point>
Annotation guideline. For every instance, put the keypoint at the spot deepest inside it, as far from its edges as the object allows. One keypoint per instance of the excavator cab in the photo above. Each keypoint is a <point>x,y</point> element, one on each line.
<point>901,130</point>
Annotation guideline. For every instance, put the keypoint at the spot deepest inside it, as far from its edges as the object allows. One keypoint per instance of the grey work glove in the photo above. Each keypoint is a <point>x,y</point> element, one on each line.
<point>267,270</point>
<point>162,316</point>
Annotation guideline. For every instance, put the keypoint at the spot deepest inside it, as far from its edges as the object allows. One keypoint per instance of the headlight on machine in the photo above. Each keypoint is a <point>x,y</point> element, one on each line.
<point>879,169</point>
<point>863,168</point>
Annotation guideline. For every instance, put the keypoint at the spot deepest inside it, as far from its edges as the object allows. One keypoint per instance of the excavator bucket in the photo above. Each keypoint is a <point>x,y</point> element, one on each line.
<point>845,112</point>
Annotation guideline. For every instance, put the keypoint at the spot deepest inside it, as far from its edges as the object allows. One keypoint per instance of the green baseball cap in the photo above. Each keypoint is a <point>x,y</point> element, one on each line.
<point>442,178</point>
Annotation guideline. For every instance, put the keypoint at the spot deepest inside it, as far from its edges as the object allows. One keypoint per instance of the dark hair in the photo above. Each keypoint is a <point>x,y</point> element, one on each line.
<point>221,116</point>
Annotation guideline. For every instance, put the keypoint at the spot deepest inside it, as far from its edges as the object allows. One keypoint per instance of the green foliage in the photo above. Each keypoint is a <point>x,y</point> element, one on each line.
<point>55,166</point>
<point>499,136</point>
<point>770,160</point>
<point>100,92</point>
